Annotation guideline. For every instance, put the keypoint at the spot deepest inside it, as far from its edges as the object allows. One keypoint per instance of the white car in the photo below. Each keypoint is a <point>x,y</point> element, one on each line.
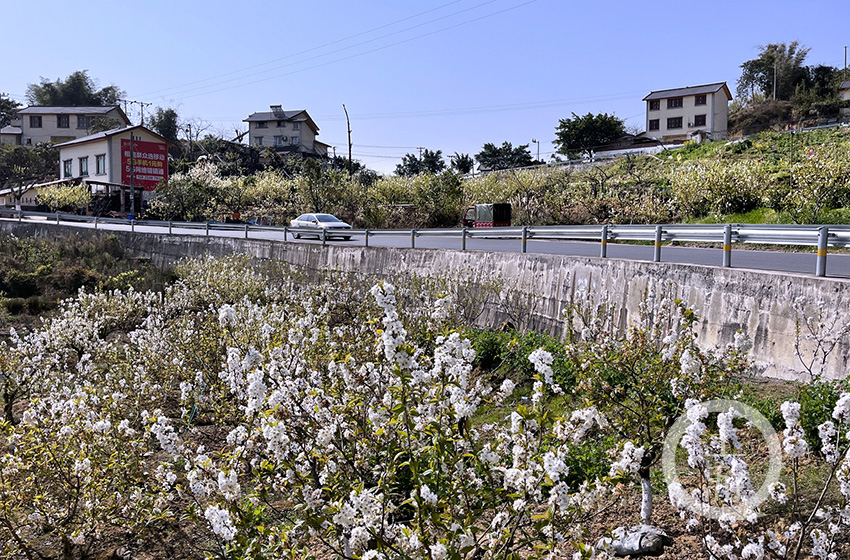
<point>333,226</point>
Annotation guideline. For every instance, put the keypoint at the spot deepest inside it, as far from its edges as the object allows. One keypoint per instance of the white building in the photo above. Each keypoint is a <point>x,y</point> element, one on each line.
<point>677,115</point>
<point>844,91</point>
<point>32,125</point>
<point>103,160</point>
<point>292,132</point>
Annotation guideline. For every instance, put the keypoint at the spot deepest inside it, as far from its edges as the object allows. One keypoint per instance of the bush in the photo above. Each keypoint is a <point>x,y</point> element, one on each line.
<point>14,306</point>
<point>817,401</point>
<point>22,284</point>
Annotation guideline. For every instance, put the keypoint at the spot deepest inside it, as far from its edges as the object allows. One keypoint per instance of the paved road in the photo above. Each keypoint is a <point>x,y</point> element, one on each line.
<point>800,263</point>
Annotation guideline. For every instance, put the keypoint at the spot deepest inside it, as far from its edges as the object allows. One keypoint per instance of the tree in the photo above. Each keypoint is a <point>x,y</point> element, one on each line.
<point>7,109</point>
<point>493,157</point>
<point>429,162</point>
<point>776,61</point>
<point>580,135</point>
<point>462,163</point>
<point>164,123</point>
<point>77,90</point>
<point>21,167</point>
<point>100,124</point>
<point>57,197</point>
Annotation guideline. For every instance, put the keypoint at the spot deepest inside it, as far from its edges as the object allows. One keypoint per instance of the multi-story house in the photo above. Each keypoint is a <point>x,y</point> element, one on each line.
<point>32,125</point>
<point>676,115</point>
<point>844,91</point>
<point>285,131</point>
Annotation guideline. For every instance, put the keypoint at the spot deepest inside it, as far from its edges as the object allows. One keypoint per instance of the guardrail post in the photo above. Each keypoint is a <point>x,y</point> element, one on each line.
<point>603,248</point>
<point>657,256</point>
<point>246,231</point>
<point>95,222</point>
<point>57,218</point>
<point>524,237</point>
<point>367,237</point>
<point>169,227</point>
<point>20,215</point>
<point>413,239</point>
<point>324,237</point>
<point>285,231</point>
<point>207,229</point>
<point>823,240</point>
<point>464,239</point>
<point>727,245</point>
<point>133,226</point>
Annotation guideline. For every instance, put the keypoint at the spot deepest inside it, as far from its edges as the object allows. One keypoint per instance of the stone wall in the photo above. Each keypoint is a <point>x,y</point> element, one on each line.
<point>727,299</point>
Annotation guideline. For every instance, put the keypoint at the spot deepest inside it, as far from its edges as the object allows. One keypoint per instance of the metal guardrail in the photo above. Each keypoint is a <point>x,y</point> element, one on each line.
<point>820,236</point>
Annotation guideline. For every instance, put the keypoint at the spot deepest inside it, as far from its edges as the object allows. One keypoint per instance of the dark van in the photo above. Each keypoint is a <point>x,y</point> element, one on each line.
<point>488,215</point>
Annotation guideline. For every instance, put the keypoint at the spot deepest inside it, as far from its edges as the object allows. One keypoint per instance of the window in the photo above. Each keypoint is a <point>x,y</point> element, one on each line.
<point>100,164</point>
<point>699,120</point>
<point>296,126</point>
<point>63,121</point>
<point>699,100</point>
<point>67,168</point>
<point>653,124</point>
<point>281,124</point>
<point>35,121</point>
<point>674,122</point>
<point>84,166</point>
<point>674,103</point>
<point>294,140</point>
<point>654,104</point>
<point>281,140</point>
<point>262,124</point>
<point>259,140</point>
<point>83,122</point>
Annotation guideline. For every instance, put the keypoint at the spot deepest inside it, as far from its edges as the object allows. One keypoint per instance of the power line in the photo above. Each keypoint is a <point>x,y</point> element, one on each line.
<point>488,108</point>
<point>384,47</point>
<point>528,106</point>
<point>305,51</point>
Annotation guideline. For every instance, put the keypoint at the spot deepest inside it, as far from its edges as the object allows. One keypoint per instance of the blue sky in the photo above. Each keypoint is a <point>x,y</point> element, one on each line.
<point>447,75</point>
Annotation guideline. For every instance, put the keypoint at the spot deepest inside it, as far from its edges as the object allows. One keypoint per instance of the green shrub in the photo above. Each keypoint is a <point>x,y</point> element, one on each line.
<point>817,401</point>
<point>14,305</point>
<point>22,284</point>
<point>488,346</point>
<point>515,355</point>
<point>37,304</point>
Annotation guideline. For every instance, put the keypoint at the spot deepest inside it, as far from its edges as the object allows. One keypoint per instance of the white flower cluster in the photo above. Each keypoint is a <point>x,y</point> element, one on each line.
<point>220,521</point>
<point>794,444</point>
<point>629,462</point>
<point>542,361</point>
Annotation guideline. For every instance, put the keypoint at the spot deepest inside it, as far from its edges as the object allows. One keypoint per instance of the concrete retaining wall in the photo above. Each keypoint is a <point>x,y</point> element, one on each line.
<point>758,303</point>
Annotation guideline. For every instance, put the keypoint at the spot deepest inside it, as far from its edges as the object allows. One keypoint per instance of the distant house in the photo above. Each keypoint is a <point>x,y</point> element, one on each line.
<point>32,125</point>
<point>680,114</point>
<point>844,91</point>
<point>291,132</point>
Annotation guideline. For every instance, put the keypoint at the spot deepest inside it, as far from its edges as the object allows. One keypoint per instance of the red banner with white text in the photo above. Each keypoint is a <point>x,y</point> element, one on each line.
<point>150,163</point>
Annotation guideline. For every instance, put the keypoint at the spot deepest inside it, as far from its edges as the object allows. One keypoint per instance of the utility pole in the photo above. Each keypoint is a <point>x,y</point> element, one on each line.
<point>845,62</point>
<point>132,173</point>
<point>143,105</point>
<point>348,124</point>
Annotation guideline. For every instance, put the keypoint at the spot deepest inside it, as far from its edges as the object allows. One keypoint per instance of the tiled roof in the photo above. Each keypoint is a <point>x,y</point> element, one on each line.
<point>690,90</point>
<point>845,85</point>
<point>11,130</point>
<point>66,110</point>
<point>107,133</point>
<point>270,116</point>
